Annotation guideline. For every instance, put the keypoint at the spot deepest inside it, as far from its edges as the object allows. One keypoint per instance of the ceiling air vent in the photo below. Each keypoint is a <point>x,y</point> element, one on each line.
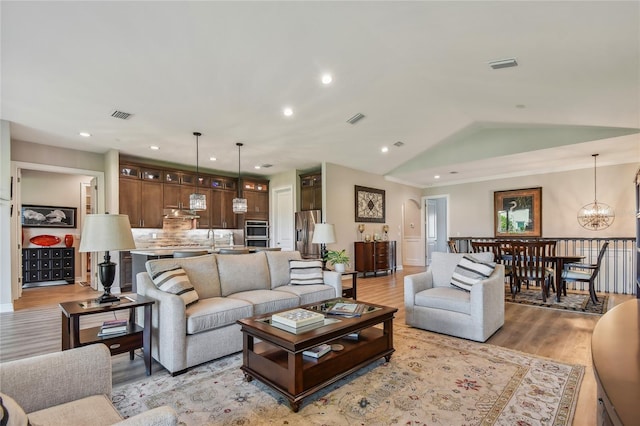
<point>503,63</point>
<point>121,115</point>
<point>355,118</point>
<point>399,144</point>
<point>266,166</point>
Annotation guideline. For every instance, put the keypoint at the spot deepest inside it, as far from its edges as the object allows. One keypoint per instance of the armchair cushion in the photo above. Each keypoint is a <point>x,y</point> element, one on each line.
<point>450,299</point>
<point>176,281</point>
<point>11,414</point>
<point>471,271</point>
<point>94,410</point>
<point>306,272</point>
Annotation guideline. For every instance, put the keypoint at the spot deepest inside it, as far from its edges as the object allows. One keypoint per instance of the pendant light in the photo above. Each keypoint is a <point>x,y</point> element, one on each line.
<point>197,201</point>
<point>595,216</point>
<point>239,204</point>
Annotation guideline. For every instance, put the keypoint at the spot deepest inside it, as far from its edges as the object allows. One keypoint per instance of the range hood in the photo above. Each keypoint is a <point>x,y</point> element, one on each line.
<point>179,214</point>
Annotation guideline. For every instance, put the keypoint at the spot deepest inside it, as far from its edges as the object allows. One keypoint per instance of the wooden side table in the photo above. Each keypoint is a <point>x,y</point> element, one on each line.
<point>135,337</point>
<point>352,291</point>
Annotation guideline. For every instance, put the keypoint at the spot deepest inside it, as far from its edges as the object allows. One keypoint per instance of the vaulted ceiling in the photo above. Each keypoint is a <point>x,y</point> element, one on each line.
<point>417,71</point>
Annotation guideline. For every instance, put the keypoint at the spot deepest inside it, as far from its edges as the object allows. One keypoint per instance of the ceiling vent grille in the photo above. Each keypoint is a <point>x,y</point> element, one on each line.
<point>266,166</point>
<point>355,118</point>
<point>121,115</point>
<point>503,63</point>
<point>399,144</point>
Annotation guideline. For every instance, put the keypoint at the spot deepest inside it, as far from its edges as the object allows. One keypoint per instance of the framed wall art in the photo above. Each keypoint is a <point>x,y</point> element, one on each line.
<point>518,213</point>
<point>48,217</point>
<point>369,204</point>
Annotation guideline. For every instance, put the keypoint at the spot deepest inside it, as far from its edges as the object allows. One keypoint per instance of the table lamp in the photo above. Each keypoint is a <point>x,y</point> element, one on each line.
<point>323,234</point>
<point>104,232</point>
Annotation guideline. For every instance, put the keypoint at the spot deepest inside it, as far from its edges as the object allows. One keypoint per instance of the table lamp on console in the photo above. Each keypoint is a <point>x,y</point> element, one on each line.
<point>323,234</point>
<point>105,232</point>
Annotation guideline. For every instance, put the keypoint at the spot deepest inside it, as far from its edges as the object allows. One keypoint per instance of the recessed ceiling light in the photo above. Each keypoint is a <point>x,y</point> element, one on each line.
<point>154,147</point>
<point>327,79</point>
<point>212,158</point>
<point>256,167</point>
<point>436,177</point>
<point>385,149</point>
<point>85,134</point>
<point>288,112</point>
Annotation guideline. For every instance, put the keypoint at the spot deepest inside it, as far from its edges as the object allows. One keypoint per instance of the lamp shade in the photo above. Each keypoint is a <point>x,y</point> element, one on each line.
<point>104,232</point>
<point>323,233</point>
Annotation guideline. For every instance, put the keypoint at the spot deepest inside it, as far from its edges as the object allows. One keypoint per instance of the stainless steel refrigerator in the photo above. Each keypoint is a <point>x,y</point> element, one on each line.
<point>305,223</point>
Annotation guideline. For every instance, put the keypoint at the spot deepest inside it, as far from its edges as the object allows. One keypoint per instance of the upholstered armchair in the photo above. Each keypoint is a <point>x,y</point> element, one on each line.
<point>433,304</point>
<point>68,388</point>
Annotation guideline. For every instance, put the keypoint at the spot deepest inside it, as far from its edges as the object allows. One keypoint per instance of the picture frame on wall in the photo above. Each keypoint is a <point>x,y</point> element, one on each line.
<point>369,204</point>
<point>34,216</point>
<point>518,213</point>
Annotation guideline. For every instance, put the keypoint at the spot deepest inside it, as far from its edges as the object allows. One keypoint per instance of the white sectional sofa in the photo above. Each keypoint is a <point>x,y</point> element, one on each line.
<point>230,287</point>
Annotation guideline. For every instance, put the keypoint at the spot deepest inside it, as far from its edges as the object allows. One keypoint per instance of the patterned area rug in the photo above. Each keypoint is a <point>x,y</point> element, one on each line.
<point>431,379</point>
<point>576,302</point>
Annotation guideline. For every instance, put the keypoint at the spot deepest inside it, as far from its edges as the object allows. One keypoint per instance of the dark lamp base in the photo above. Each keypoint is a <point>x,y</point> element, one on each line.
<point>107,298</point>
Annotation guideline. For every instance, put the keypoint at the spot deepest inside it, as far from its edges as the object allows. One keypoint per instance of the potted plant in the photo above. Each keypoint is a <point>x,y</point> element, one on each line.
<point>339,259</point>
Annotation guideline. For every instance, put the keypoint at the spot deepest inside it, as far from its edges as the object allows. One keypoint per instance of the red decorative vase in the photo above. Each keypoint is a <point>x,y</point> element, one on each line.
<point>68,240</point>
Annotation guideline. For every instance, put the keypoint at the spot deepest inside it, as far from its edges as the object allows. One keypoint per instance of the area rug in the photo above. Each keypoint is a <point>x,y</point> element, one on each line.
<point>430,379</point>
<point>576,302</point>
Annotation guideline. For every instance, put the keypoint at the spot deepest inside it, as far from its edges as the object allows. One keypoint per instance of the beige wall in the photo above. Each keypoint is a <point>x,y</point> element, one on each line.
<point>340,206</point>
<point>44,154</point>
<point>563,194</point>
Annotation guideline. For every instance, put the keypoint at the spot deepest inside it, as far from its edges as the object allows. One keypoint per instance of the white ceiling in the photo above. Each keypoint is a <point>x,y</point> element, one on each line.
<point>417,70</point>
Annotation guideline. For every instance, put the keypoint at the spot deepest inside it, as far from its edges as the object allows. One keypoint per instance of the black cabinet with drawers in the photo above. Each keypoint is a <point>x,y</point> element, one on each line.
<point>48,264</point>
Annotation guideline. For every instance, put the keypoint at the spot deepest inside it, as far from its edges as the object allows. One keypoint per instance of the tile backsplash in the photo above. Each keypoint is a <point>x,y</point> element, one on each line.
<point>160,238</point>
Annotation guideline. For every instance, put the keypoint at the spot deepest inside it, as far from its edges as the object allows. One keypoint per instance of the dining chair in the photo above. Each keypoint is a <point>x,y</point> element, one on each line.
<point>583,272</point>
<point>495,247</point>
<point>453,248</point>
<point>529,262</point>
<point>550,253</point>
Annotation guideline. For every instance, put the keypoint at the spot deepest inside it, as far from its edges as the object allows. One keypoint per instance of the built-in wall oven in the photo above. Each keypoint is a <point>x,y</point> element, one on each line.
<point>256,233</point>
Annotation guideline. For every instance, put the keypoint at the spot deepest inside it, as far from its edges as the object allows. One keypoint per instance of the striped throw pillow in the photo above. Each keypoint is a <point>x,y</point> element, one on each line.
<point>305,272</point>
<point>470,271</point>
<point>176,281</point>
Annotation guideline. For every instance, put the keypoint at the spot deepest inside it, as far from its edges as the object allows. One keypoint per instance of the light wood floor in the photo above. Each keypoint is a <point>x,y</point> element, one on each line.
<point>34,328</point>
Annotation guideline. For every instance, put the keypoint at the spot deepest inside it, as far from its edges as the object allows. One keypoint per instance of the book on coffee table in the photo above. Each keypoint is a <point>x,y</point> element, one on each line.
<point>317,351</point>
<point>297,318</point>
<point>347,309</point>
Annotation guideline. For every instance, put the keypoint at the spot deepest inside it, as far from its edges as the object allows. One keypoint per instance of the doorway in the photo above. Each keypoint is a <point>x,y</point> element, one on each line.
<point>282,226</point>
<point>436,225</point>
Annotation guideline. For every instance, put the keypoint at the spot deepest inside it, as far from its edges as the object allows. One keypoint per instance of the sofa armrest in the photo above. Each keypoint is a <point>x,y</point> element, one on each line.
<point>487,298</point>
<point>334,279</point>
<point>52,379</point>
<point>168,324</point>
<point>160,416</point>
<point>413,284</point>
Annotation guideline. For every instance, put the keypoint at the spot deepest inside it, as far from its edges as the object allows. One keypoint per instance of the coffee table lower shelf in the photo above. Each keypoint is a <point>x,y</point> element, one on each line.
<point>296,376</point>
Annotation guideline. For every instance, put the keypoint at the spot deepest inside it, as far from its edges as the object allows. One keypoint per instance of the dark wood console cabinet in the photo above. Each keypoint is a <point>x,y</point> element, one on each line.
<point>375,256</point>
<point>48,264</point>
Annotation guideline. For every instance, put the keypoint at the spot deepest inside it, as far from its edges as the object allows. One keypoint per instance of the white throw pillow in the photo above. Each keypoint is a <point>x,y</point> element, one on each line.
<point>305,272</point>
<point>470,271</point>
<point>176,281</point>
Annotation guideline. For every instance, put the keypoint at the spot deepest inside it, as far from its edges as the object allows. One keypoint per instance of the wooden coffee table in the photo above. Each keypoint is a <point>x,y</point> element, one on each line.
<point>277,359</point>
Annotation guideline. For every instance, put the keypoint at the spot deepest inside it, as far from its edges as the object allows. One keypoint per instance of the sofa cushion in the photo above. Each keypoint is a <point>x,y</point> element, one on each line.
<point>309,293</point>
<point>243,272</point>
<point>201,270</point>
<point>471,271</point>
<point>447,298</point>
<point>306,272</point>
<point>216,312</point>
<point>11,414</point>
<point>94,410</point>
<point>443,265</point>
<point>279,266</point>
<point>176,281</point>
<point>266,301</point>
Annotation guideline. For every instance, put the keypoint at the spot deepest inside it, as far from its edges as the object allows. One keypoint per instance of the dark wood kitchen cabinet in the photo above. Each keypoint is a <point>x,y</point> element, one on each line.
<point>257,194</point>
<point>375,256</point>
<point>142,201</point>
<point>311,191</point>
<point>222,215</point>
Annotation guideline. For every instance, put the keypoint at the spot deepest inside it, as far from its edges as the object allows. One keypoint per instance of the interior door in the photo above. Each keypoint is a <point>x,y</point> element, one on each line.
<point>283,218</point>
<point>431,230</point>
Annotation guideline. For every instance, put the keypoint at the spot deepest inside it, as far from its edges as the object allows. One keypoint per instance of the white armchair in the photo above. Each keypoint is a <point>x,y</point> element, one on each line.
<point>433,304</point>
<point>68,388</point>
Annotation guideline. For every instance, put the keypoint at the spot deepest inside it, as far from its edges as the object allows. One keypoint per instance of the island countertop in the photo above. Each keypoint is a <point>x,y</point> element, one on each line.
<point>168,251</point>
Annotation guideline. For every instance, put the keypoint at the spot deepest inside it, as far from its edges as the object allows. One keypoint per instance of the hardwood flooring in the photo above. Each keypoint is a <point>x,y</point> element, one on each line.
<point>34,328</point>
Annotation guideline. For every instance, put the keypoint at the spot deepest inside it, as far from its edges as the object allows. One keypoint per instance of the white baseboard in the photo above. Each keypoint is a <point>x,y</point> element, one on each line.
<point>6,307</point>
